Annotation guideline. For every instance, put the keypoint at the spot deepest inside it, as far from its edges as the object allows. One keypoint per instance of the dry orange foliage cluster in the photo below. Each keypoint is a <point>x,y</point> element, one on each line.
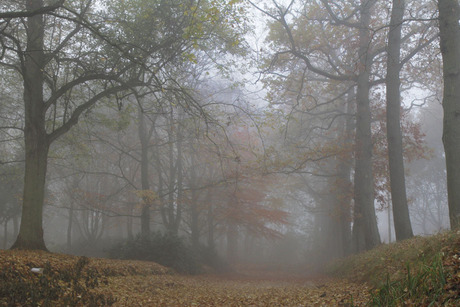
<point>137,283</point>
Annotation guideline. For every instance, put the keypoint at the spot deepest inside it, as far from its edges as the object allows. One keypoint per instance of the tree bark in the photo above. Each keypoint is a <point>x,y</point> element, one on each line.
<point>210,224</point>
<point>70,228</point>
<point>344,195</point>
<point>403,228</point>
<point>180,179</point>
<point>194,211</point>
<point>36,141</point>
<point>232,242</point>
<point>5,231</point>
<point>449,13</point>
<point>365,231</point>
<point>145,184</point>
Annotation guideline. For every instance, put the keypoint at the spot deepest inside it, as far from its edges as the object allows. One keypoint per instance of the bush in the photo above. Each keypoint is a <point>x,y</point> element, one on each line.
<point>71,287</point>
<point>166,249</point>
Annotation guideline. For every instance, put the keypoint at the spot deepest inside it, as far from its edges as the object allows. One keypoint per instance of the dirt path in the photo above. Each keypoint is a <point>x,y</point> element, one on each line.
<point>206,290</point>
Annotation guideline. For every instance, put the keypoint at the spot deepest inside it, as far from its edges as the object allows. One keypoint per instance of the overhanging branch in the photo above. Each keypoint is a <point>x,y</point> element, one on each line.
<point>42,10</point>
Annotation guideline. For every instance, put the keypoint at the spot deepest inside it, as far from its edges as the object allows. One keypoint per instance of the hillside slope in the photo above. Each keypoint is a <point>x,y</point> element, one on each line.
<point>419,271</point>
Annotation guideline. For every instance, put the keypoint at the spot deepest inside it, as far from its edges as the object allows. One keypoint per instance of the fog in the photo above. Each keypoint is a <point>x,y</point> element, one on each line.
<point>237,136</point>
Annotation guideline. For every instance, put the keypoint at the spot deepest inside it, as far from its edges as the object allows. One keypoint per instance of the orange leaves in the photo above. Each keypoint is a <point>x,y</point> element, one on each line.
<point>147,196</point>
<point>250,206</point>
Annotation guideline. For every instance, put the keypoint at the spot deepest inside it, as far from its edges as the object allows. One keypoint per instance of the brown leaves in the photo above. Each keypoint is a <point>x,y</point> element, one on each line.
<point>136,283</point>
<point>25,260</point>
<point>220,291</point>
<point>451,265</point>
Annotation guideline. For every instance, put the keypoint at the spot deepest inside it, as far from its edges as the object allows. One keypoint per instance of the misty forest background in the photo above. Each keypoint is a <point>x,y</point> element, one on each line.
<point>267,131</point>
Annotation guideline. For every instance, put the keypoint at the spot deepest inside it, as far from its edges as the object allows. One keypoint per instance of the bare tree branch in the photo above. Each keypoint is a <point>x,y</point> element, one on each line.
<point>42,10</point>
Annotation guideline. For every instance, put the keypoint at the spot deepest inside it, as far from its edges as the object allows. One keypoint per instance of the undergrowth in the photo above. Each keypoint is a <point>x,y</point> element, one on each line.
<point>19,286</point>
<point>166,249</point>
<point>423,271</point>
<point>422,287</point>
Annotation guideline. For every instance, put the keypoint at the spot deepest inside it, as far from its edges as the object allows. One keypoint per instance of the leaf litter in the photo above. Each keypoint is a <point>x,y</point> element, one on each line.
<point>138,283</point>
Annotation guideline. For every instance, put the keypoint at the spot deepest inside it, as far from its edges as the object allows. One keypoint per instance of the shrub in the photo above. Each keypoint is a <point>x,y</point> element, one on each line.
<point>166,249</point>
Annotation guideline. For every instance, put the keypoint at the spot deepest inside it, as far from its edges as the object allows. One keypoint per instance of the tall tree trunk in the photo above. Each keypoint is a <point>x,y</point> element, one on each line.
<point>5,231</point>
<point>194,212</point>
<point>70,228</point>
<point>36,141</point>
<point>180,180</point>
<point>210,224</point>
<point>403,228</point>
<point>172,215</point>
<point>168,219</point>
<point>145,184</point>
<point>129,223</point>
<point>449,14</point>
<point>15,226</point>
<point>344,190</point>
<point>365,231</point>
<point>232,242</point>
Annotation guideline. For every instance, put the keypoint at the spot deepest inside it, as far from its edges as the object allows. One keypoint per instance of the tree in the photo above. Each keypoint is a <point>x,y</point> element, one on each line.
<point>403,228</point>
<point>365,233</point>
<point>71,59</point>
<point>394,67</point>
<point>359,52</point>
<point>449,28</point>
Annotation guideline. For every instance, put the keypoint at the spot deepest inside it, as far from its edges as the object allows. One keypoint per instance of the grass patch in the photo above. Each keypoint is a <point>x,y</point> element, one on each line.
<point>423,271</point>
<point>422,287</point>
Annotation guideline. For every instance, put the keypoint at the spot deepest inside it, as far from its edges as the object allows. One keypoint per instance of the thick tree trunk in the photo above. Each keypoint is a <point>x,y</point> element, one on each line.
<point>365,231</point>
<point>5,232</point>
<point>31,229</point>
<point>36,141</point>
<point>449,13</point>
<point>401,218</point>
<point>15,226</point>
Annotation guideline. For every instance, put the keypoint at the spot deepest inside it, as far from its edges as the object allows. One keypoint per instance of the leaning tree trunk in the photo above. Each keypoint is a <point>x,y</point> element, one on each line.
<point>36,141</point>
<point>365,231</point>
<point>449,13</point>
<point>403,228</point>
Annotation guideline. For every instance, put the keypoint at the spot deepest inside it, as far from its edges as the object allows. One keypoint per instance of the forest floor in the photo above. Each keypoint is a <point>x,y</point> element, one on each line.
<point>86,281</point>
<point>219,290</point>
<point>415,272</point>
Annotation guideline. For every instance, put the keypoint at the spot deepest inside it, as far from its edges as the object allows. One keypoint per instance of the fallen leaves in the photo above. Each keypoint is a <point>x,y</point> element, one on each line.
<point>137,283</point>
<point>27,260</point>
<point>176,290</point>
